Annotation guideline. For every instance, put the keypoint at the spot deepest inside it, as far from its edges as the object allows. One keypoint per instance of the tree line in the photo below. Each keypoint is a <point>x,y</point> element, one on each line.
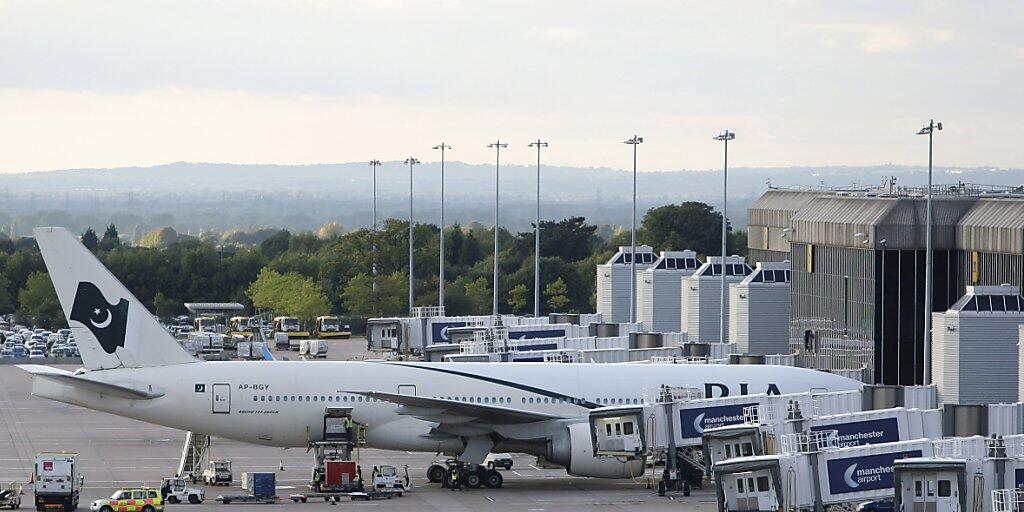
<point>308,274</point>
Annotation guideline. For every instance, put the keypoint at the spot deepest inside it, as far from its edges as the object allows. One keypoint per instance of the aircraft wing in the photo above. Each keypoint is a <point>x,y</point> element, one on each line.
<point>66,377</point>
<point>454,412</point>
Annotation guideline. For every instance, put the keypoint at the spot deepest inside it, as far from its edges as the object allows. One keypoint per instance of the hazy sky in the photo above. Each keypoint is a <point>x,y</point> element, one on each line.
<point>107,83</point>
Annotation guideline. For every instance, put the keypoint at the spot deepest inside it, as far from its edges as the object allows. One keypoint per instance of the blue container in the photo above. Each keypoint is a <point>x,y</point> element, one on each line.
<point>262,485</point>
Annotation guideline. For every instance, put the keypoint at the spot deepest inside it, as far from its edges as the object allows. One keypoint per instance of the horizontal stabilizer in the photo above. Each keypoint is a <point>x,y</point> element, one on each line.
<point>95,386</point>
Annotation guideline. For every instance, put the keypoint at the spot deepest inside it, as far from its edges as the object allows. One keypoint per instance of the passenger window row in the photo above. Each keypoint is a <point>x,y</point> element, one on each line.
<point>477,399</point>
<point>311,398</point>
<point>467,399</point>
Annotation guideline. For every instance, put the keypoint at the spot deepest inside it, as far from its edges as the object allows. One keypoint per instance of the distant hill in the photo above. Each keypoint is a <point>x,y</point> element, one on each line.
<point>196,196</point>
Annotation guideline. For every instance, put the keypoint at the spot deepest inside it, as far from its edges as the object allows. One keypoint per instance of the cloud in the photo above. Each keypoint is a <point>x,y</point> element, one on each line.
<point>560,34</point>
<point>881,38</point>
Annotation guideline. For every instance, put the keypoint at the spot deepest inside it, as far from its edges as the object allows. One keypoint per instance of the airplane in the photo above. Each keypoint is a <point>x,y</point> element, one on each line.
<point>135,369</point>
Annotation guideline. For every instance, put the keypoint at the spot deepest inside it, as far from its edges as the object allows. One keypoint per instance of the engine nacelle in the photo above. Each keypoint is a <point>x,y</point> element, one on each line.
<point>574,449</point>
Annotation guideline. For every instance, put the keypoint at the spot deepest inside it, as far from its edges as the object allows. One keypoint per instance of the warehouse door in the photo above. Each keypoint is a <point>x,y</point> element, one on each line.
<point>222,398</point>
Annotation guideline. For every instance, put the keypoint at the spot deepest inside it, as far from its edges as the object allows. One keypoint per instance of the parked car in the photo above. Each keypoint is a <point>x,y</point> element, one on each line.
<point>876,506</point>
<point>19,351</point>
<point>36,353</point>
<point>498,460</point>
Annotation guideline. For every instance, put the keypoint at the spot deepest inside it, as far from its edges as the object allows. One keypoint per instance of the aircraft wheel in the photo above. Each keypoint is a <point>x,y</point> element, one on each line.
<point>473,479</point>
<point>493,479</point>
<point>436,473</point>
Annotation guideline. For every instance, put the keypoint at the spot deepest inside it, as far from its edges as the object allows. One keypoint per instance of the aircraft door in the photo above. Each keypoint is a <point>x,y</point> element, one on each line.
<point>750,491</point>
<point>222,398</point>
<point>407,389</point>
<point>934,492</point>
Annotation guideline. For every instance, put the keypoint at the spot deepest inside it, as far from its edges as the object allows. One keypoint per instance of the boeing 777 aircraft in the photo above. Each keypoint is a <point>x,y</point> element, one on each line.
<point>134,368</point>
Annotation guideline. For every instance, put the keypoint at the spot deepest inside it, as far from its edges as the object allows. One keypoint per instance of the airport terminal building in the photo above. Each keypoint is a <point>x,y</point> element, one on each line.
<point>858,266</point>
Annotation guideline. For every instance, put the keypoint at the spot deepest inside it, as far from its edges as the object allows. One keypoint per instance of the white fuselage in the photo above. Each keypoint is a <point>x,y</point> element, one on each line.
<point>282,403</point>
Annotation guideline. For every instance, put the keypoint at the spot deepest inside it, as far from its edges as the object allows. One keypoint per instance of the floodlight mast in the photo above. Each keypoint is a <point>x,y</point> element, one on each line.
<point>536,236</point>
<point>440,290</point>
<point>497,145</point>
<point>374,164</point>
<point>635,141</point>
<point>411,161</point>
<point>928,130</point>
<point>725,137</point>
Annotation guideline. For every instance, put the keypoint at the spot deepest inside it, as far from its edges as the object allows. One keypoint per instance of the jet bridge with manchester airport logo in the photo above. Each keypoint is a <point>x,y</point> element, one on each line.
<point>812,472</point>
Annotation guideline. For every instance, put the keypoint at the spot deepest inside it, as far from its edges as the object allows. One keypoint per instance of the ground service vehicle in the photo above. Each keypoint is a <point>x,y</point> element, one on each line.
<point>178,490</point>
<point>314,348</point>
<point>329,327</point>
<point>142,499</point>
<point>206,324</point>
<point>218,473</point>
<point>10,496</point>
<point>290,325</point>
<point>261,488</point>
<point>240,326</point>
<point>57,482</point>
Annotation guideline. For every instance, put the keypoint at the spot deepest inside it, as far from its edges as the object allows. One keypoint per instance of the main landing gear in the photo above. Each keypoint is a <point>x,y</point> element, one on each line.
<point>471,476</point>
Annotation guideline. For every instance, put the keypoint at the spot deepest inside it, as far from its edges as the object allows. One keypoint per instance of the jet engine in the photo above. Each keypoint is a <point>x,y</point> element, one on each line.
<point>574,449</point>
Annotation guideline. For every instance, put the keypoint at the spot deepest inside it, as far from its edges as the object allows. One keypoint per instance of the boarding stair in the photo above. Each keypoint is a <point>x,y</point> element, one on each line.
<point>193,455</point>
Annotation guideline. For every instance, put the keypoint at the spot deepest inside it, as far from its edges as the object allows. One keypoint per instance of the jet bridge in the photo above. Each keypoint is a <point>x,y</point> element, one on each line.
<point>812,472</point>
<point>672,421</point>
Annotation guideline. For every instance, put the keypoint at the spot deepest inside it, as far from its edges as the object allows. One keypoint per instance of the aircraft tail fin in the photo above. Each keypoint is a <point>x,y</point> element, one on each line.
<point>112,328</point>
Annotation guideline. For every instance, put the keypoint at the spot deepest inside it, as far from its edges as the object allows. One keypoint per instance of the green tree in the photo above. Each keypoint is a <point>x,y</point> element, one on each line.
<point>111,239</point>
<point>556,293</point>
<point>159,238</point>
<point>480,295</point>
<point>330,229</point>
<point>471,252</point>
<point>90,240</point>
<point>276,243</point>
<point>165,308</point>
<point>388,299</point>
<point>570,239</point>
<point>6,300</point>
<point>290,293</point>
<point>517,298</point>
<point>691,225</point>
<point>39,302</point>
<point>738,242</point>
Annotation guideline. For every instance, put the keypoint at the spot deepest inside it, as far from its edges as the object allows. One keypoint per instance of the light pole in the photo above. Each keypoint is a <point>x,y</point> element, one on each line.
<point>536,236</point>
<point>374,164</point>
<point>497,145</point>
<point>411,161</point>
<point>725,137</point>
<point>635,141</point>
<point>440,290</point>
<point>929,131</point>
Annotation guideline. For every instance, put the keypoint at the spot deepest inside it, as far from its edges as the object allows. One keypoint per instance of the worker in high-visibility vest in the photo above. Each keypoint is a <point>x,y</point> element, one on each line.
<point>350,426</point>
<point>455,483</point>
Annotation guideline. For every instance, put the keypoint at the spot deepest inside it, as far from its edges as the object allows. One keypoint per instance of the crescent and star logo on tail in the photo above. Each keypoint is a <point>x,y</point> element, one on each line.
<point>106,321</point>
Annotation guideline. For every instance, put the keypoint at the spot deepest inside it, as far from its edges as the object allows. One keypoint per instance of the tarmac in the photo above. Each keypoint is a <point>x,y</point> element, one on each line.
<point>115,452</point>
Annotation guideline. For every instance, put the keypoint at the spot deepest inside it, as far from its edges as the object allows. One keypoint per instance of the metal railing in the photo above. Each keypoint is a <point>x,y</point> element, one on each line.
<point>427,311</point>
<point>810,442</point>
<point>962,447</point>
<point>671,394</point>
<point>1007,500</point>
